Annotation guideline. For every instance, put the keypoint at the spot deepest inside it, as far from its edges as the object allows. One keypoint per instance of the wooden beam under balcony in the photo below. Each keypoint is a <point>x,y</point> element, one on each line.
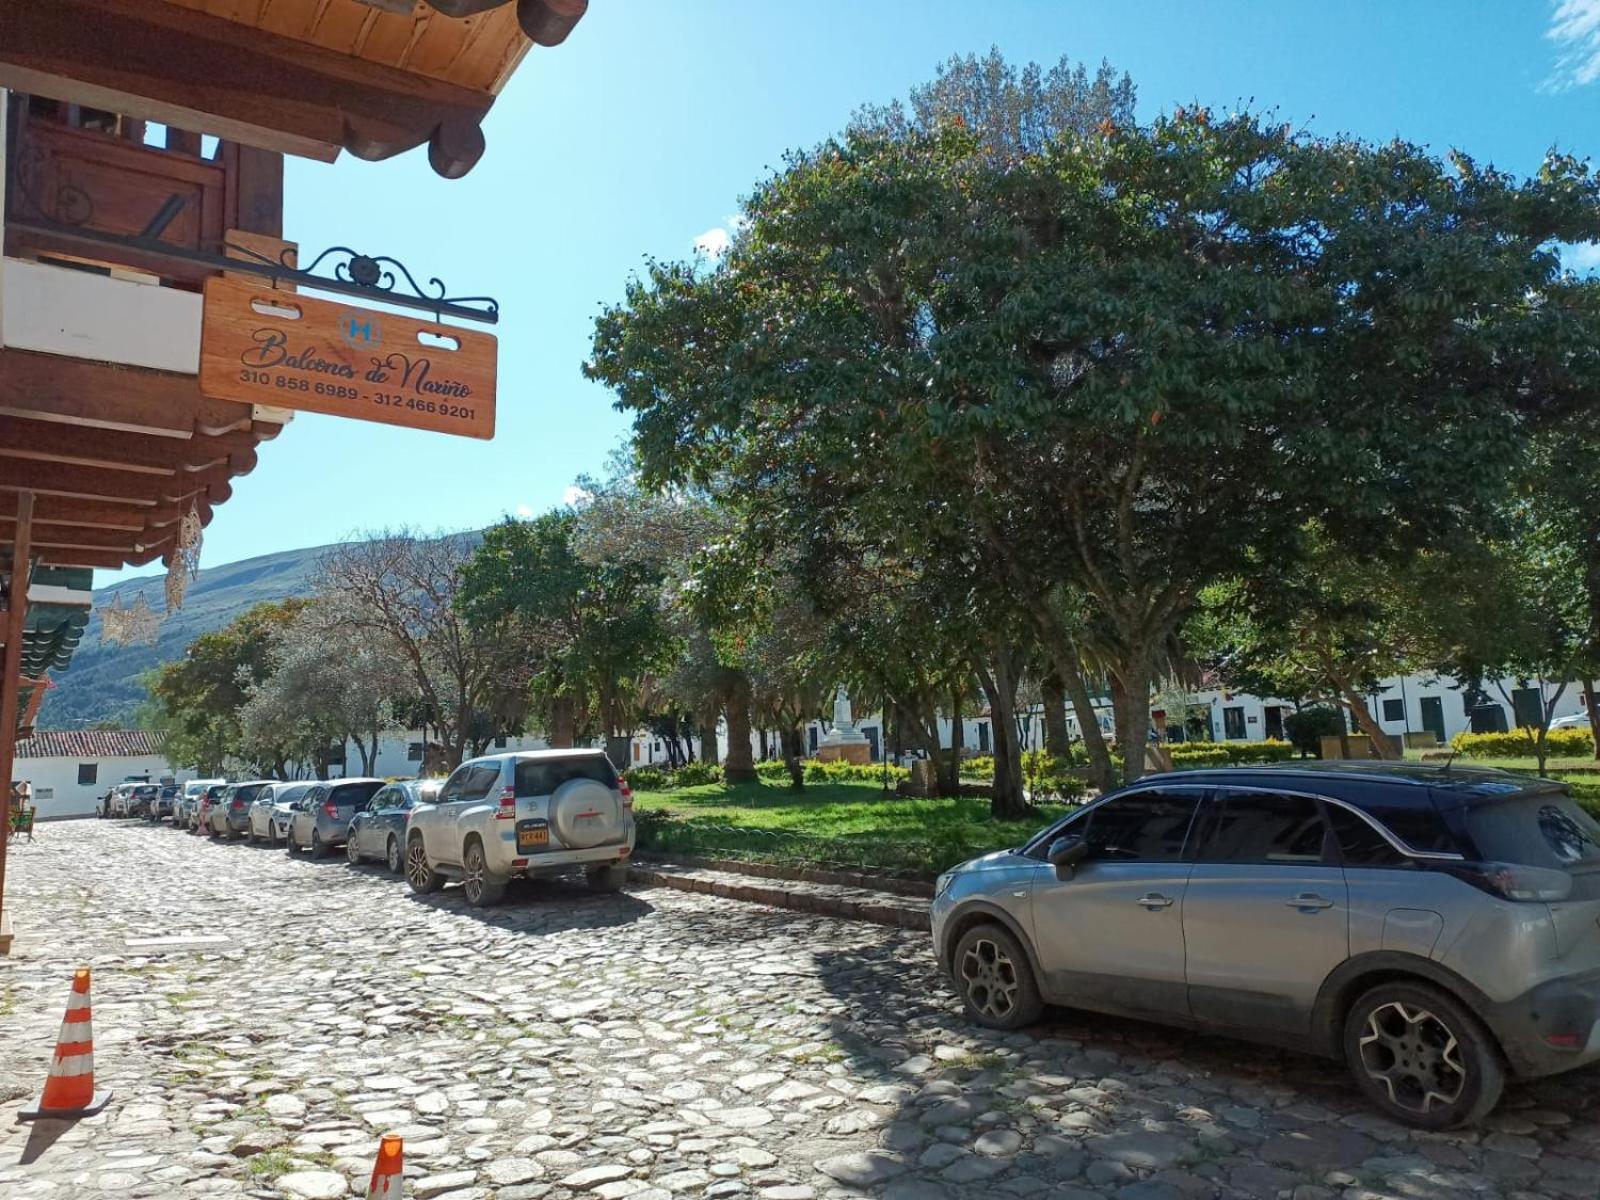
<point>157,61</point>
<point>73,391</point>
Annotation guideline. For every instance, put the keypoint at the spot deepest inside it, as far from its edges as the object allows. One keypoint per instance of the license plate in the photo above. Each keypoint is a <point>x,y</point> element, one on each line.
<point>532,836</point>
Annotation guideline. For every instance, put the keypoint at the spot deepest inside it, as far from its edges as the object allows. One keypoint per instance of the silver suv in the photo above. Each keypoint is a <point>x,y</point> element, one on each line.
<point>541,812</point>
<point>1437,928</point>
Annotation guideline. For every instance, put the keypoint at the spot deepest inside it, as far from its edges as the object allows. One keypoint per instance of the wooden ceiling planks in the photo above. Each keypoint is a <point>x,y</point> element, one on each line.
<point>115,456</point>
<point>472,52</point>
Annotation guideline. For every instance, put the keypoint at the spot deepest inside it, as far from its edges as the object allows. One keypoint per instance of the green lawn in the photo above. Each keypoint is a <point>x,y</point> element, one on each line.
<point>840,826</point>
<point>1531,765</point>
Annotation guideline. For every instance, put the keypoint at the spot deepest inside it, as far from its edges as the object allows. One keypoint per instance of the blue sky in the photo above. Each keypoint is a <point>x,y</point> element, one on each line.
<point>640,134</point>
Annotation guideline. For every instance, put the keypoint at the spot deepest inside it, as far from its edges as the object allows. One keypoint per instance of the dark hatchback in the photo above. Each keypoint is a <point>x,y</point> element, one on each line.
<point>379,830</point>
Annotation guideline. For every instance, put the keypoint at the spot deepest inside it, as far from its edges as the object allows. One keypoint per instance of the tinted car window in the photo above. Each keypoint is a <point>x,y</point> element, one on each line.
<point>249,793</point>
<point>1142,827</point>
<point>1409,814</point>
<point>480,778</point>
<point>1263,827</point>
<point>541,778</point>
<point>290,794</point>
<point>1360,844</point>
<point>353,793</point>
<point>1546,830</point>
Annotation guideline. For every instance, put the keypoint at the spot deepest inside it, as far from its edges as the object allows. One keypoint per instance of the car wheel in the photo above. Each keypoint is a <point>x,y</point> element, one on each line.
<point>1421,1057</point>
<point>419,874</point>
<point>608,877</point>
<point>994,979</point>
<point>352,854</point>
<point>482,888</point>
<point>394,859</point>
<point>294,847</point>
<point>319,848</point>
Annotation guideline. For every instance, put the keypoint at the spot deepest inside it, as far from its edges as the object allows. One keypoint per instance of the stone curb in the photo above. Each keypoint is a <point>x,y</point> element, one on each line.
<point>916,888</point>
<point>878,908</point>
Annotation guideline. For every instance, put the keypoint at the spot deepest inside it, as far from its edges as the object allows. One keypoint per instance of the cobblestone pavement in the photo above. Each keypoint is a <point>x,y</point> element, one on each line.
<point>651,1045</point>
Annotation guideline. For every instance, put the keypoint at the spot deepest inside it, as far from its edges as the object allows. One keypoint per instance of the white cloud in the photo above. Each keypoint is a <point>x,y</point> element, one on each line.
<point>575,495</point>
<point>713,242</point>
<point>524,511</point>
<point>1584,257</point>
<point>1575,29</point>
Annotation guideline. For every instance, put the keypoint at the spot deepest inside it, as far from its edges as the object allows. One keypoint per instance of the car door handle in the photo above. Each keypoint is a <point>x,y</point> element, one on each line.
<point>1152,901</point>
<point>1306,900</point>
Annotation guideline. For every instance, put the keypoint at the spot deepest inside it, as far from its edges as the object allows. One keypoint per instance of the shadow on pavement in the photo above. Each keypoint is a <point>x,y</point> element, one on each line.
<point>537,907</point>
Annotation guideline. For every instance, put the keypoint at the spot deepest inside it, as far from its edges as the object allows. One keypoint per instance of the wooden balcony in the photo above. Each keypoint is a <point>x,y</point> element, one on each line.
<point>74,173</point>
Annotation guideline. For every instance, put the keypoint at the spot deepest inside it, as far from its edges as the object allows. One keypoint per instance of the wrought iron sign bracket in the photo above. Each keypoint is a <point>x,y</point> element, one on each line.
<point>364,276</point>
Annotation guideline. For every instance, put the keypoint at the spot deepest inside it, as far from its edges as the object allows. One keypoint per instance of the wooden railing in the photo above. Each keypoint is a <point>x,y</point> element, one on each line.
<point>76,177</point>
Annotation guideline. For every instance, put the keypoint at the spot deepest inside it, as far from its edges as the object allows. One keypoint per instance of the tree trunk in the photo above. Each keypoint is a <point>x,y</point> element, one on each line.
<point>738,767</point>
<point>709,751</point>
<point>1057,741</point>
<point>1130,699</point>
<point>949,771</point>
<point>1008,801</point>
<point>1366,724</point>
<point>1592,703</point>
<point>794,738</point>
<point>766,750</point>
<point>1102,772</point>
<point>563,723</point>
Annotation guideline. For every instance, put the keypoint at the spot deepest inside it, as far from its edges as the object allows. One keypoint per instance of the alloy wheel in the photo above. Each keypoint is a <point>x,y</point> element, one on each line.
<point>395,864</point>
<point>474,868</point>
<point>417,869</point>
<point>351,853</point>
<point>990,979</point>
<point>1414,1055</point>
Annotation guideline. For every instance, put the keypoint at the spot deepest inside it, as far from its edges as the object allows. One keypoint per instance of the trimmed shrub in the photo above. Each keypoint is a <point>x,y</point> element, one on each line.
<point>773,770</point>
<point>1519,743</point>
<point>1309,726</point>
<point>980,766</point>
<point>1045,774</point>
<point>661,779</point>
<point>1269,751</point>
<point>648,779</point>
<point>1198,754</point>
<point>696,773</point>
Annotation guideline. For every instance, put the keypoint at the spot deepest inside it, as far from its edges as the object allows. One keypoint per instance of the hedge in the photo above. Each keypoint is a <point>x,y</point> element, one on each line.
<point>1229,754</point>
<point>1519,743</point>
<point>664,779</point>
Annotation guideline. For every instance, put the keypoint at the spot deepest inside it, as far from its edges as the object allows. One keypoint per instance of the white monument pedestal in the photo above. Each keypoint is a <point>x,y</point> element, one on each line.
<point>844,742</point>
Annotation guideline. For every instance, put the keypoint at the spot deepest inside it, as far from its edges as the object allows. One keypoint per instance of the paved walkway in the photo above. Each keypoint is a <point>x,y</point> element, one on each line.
<point>648,1046</point>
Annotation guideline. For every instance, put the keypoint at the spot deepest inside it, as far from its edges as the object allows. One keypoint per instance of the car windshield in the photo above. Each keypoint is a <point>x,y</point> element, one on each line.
<point>1536,829</point>
<point>354,793</point>
<point>289,795</point>
<point>541,777</point>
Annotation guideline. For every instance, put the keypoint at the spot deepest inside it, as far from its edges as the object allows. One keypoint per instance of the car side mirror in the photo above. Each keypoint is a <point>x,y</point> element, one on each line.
<point>1065,853</point>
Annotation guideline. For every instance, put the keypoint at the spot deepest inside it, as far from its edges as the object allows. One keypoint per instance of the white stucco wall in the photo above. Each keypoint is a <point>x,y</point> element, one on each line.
<point>57,792</point>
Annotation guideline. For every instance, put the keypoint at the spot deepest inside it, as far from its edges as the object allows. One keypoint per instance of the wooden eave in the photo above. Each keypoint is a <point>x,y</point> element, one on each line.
<point>115,456</point>
<point>306,77</point>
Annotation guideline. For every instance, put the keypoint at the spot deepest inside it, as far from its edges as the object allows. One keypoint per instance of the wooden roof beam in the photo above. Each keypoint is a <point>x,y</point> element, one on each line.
<point>97,395</point>
<point>50,441</point>
<point>89,483</point>
<point>161,62</point>
<point>88,514</point>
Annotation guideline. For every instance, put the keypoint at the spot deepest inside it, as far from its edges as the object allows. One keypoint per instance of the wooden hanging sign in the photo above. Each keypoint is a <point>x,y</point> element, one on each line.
<point>260,346</point>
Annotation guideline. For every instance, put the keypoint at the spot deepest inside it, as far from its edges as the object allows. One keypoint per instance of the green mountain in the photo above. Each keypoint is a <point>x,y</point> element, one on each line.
<point>102,682</point>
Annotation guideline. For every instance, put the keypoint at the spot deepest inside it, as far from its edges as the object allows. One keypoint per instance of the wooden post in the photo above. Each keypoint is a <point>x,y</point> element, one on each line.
<point>11,685</point>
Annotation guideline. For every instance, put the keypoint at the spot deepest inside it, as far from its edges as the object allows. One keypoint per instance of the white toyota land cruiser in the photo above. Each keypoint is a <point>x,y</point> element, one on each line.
<point>535,813</point>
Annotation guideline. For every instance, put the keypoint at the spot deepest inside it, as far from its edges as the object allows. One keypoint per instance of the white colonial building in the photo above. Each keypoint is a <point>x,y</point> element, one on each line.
<point>69,770</point>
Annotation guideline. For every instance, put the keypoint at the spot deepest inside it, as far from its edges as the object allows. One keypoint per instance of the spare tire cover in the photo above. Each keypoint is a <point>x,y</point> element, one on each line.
<point>584,813</point>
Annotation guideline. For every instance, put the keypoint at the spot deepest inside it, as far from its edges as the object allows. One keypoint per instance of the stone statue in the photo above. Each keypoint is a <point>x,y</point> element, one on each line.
<point>843,724</point>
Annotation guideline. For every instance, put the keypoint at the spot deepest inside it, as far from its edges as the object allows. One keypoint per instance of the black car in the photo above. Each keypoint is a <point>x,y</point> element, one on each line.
<point>143,799</point>
<point>379,830</point>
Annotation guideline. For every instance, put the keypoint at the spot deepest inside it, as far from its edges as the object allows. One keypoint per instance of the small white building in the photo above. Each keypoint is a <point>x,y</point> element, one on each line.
<point>69,770</point>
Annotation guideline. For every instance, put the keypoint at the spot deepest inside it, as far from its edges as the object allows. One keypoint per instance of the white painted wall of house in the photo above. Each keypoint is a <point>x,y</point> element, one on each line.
<point>57,792</point>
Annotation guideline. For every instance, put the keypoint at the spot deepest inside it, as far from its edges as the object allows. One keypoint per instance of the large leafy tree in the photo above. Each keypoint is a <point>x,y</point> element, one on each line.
<point>398,591</point>
<point>195,702</point>
<point>1129,361</point>
<point>592,631</point>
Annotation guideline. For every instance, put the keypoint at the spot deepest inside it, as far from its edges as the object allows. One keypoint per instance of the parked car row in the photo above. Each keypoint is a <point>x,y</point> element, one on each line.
<point>495,819</point>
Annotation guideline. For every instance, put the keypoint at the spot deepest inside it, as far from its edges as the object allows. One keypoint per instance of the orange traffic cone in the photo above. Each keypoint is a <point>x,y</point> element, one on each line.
<point>69,1089</point>
<point>388,1173</point>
